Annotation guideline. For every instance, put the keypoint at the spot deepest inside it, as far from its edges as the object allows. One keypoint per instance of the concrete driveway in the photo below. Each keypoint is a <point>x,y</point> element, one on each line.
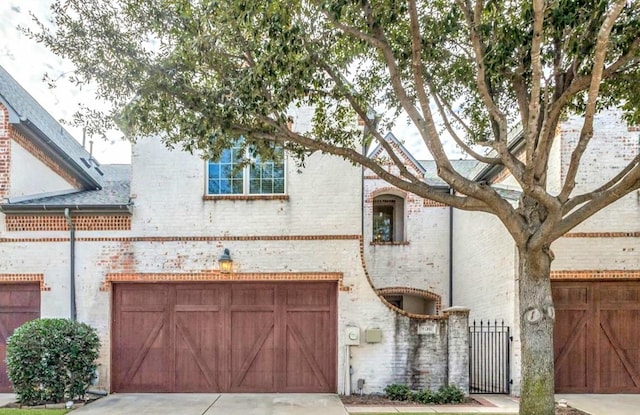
<point>609,404</point>
<point>215,404</point>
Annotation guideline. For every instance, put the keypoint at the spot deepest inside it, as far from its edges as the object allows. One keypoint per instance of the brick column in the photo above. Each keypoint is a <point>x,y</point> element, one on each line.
<point>458,347</point>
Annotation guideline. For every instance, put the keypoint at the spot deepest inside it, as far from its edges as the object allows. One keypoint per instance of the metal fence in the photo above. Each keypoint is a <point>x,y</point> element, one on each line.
<point>489,354</point>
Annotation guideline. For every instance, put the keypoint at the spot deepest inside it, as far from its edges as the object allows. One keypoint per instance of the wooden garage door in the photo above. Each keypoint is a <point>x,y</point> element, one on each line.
<point>19,303</point>
<point>223,337</point>
<point>596,343</point>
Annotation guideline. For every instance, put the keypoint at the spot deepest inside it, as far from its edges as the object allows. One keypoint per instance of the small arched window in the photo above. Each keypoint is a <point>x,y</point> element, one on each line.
<point>412,300</point>
<point>412,303</point>
<point>388,219</point>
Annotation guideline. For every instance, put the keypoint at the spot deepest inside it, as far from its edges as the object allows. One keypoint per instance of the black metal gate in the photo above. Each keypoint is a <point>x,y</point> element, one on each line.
<point>489,352</point>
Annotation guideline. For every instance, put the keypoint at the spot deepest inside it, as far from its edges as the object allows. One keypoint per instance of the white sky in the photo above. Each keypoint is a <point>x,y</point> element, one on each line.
<point>28,61</point>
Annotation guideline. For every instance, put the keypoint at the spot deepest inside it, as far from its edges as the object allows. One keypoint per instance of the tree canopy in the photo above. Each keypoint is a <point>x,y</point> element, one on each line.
<point>200,73</point>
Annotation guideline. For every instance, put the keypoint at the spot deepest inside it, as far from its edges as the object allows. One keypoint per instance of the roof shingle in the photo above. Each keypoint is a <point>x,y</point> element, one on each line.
<point>30,114</point>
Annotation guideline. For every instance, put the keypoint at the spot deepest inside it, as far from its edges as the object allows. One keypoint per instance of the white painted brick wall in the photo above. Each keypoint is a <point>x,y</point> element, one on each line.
<point>483,266</point>
<point>30,176</point>
<point>424,262</point>
<point>596,254</point>
<point>485,274</point>
<point>610,149</point>
<point>168,186</point>
<point>485,263</point>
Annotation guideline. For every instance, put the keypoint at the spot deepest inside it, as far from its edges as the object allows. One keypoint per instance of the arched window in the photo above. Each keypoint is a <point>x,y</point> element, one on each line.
<point>412,303</point>
<point>388,219</point>
<point>412,300</point>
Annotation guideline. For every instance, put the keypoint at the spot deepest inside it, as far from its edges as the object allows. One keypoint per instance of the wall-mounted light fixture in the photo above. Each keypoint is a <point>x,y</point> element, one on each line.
<point>225,261</point>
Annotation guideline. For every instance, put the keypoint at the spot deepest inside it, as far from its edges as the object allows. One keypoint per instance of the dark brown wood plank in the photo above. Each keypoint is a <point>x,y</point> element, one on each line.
<point>199,342</point>
<point>140,338</point>
<point>19,303</point>
<point>225,337</point>
<point>571,336</point>
<point>310,336</point>
<point>602,353</point>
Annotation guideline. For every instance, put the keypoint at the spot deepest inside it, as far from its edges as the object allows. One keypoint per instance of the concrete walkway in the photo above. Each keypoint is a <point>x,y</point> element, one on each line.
<point>319,404</point>
<point>6,398</point>
<point>214,404</point>
<point>609,404</point>
<point>494,404</point>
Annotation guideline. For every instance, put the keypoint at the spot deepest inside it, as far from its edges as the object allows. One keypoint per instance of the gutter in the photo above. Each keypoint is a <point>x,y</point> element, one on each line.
<point>72,265</point>
<point>118,208</point>
<point>451,253</point>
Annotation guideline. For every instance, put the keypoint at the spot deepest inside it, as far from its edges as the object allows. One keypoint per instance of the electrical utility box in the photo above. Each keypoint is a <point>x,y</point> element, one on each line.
<point>373,335</point>
<point>352,336</point>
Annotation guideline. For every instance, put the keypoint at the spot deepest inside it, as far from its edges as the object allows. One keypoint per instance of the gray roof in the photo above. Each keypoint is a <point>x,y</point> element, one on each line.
<point>393,139</point>
<point>470,170</point>
<point>28,116</point>
<point>484,171</point>
<point>114,195</point>
<point>464,167</point>
<point>507,193</point>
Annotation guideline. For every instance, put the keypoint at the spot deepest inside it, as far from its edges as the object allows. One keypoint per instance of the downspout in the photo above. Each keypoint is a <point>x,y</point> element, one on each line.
<point>72,266</point>
<point>451,191</point>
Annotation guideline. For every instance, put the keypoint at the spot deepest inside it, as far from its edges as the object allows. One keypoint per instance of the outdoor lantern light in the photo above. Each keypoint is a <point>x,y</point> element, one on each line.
<point>225,261</point>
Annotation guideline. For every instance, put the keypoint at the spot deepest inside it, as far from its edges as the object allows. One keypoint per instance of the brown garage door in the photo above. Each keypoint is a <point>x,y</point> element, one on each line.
<point>223,337</point>
<point>19,303</point>
<point>596,343</point>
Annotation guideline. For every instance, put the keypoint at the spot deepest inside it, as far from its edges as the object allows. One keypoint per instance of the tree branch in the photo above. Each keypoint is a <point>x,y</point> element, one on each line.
<point>596,76</point>
<point>474,19</point>
<point>428,131</point>
<point>598,201</point>
<point>421,188</point>
<point>578,200</point>
<point>522,96</point>
<point>362,113</point>
<point>531,133</point>
<point>416,60</point>
<point>466,148</point>
<point>514,165</point>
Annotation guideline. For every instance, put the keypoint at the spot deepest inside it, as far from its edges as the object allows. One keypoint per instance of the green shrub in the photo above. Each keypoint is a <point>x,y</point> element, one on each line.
<point>446,394</point>
<point>424,397</point>
<point>51,360</point>
<point>449,394</point>
<point>398,392</point>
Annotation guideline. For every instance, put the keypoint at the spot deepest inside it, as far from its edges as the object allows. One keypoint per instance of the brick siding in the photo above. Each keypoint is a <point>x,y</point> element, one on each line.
<point>216,275</point>
<point>5,152</point>
<point>38,223</point>
<point>616,274</point>
<point>13,278</point>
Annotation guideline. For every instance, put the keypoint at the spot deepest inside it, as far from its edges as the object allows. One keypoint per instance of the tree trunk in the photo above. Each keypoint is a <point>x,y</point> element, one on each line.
<point>537,317</point>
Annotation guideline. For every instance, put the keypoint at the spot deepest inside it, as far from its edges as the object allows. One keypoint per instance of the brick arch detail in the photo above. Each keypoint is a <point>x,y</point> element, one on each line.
<point>389,190</point>
<point>414,291</point>
<point>215,275</point>
<point>384,300</point>
<point>17,278</point>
